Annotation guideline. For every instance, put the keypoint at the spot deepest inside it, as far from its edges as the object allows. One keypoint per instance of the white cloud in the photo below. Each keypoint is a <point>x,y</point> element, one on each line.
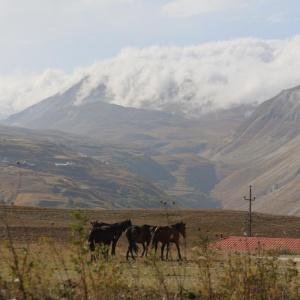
<point>205,77</point>
<point>189,79</point>
<point>188,8</point>
<point>22,90</point>
<point>277,18</point>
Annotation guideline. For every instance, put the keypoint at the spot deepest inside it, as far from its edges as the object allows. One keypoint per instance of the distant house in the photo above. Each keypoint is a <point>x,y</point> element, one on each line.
<point>251,244</point>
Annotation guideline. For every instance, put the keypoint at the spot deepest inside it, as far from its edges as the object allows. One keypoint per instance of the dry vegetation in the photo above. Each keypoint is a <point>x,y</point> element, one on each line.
<point>43,255</point>
<point>31,223</point>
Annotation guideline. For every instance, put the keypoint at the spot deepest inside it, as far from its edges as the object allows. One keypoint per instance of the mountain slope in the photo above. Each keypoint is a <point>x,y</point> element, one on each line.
<point>110,123</point>
<point>47,169</point>
<point>93,117</point>
<point>163,148</point>
<point>265,152</point>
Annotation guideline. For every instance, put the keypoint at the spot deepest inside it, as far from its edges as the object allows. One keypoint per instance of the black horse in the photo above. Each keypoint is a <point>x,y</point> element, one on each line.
<point>167,235</point>
<point>107,235</point>
<point>139,234</point>
<point>98,224</point>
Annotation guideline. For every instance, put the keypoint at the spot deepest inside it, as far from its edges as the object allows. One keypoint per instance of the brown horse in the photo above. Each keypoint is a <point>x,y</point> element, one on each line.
<point>107,235</point>
<point>166,235</point>
<point>139,234</point>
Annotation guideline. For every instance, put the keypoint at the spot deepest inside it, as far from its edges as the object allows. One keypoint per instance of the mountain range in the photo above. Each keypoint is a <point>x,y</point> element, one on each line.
<point>265,152</point>
<point>207,161</point>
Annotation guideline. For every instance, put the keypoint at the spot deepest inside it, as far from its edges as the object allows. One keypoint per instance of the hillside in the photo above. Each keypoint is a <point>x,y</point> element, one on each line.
<point>197,162</point>
<point>151,131</point>
<point>48,169</point>
<point>165,149</point>
<point>265,152</point>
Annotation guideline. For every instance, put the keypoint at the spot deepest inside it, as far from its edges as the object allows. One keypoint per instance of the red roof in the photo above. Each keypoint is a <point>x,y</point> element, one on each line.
<point>244,244</point>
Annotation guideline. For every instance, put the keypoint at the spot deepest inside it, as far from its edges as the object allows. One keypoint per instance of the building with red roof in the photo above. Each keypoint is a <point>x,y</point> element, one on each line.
<point>251,244</point>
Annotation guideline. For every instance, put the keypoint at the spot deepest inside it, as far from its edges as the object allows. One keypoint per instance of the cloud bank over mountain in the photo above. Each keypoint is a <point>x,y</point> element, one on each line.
<point>187,79</point>
<point>20,91</point>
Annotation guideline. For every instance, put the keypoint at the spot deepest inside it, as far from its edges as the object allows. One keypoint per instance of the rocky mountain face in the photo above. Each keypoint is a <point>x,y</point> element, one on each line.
<point>264,152</point>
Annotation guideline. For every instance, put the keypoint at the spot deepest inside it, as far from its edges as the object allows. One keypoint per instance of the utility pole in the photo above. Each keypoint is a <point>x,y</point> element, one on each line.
<point>250,199</point>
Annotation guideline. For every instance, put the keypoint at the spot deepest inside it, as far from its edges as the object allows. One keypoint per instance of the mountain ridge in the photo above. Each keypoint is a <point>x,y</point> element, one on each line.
<point>264,152</point>
<point>171,141</point>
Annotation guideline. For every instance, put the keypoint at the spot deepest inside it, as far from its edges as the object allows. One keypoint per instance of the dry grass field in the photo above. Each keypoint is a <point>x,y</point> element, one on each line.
<point>31,223</point>
<point>43,255</point>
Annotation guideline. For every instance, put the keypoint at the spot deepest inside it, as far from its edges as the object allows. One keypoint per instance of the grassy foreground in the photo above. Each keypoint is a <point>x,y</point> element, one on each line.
<point>47,268</point>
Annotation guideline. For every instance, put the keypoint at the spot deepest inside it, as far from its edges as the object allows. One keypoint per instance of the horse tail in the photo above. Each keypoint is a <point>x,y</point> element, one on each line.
<point>134,246</point>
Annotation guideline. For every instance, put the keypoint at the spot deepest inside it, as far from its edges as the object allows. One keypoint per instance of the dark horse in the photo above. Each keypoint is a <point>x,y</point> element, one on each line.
<point>139,234</point>
<point>167,235</point>
<point>107,234</point>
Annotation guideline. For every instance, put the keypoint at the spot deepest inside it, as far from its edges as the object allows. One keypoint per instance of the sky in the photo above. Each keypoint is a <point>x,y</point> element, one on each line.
<point>46,45</point>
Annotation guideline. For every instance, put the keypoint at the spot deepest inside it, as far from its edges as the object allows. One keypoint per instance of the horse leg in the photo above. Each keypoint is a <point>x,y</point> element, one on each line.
<point>127,254</point>
<point>132,255</point>
<point>155,248</point>
<point>131,251</point>
<point>144,249</point>
<point>168,249</point>
<point>147,247</point>
<point>178,250</point>
<point>113,247</point>
<point>162,251</point>
<point>107,253</point>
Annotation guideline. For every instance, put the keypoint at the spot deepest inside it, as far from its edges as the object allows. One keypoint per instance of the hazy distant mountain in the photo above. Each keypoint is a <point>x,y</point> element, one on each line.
<point>93,117</point>
<point>195,161</point>
<point>164,148</point>
<point>265,152</point>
